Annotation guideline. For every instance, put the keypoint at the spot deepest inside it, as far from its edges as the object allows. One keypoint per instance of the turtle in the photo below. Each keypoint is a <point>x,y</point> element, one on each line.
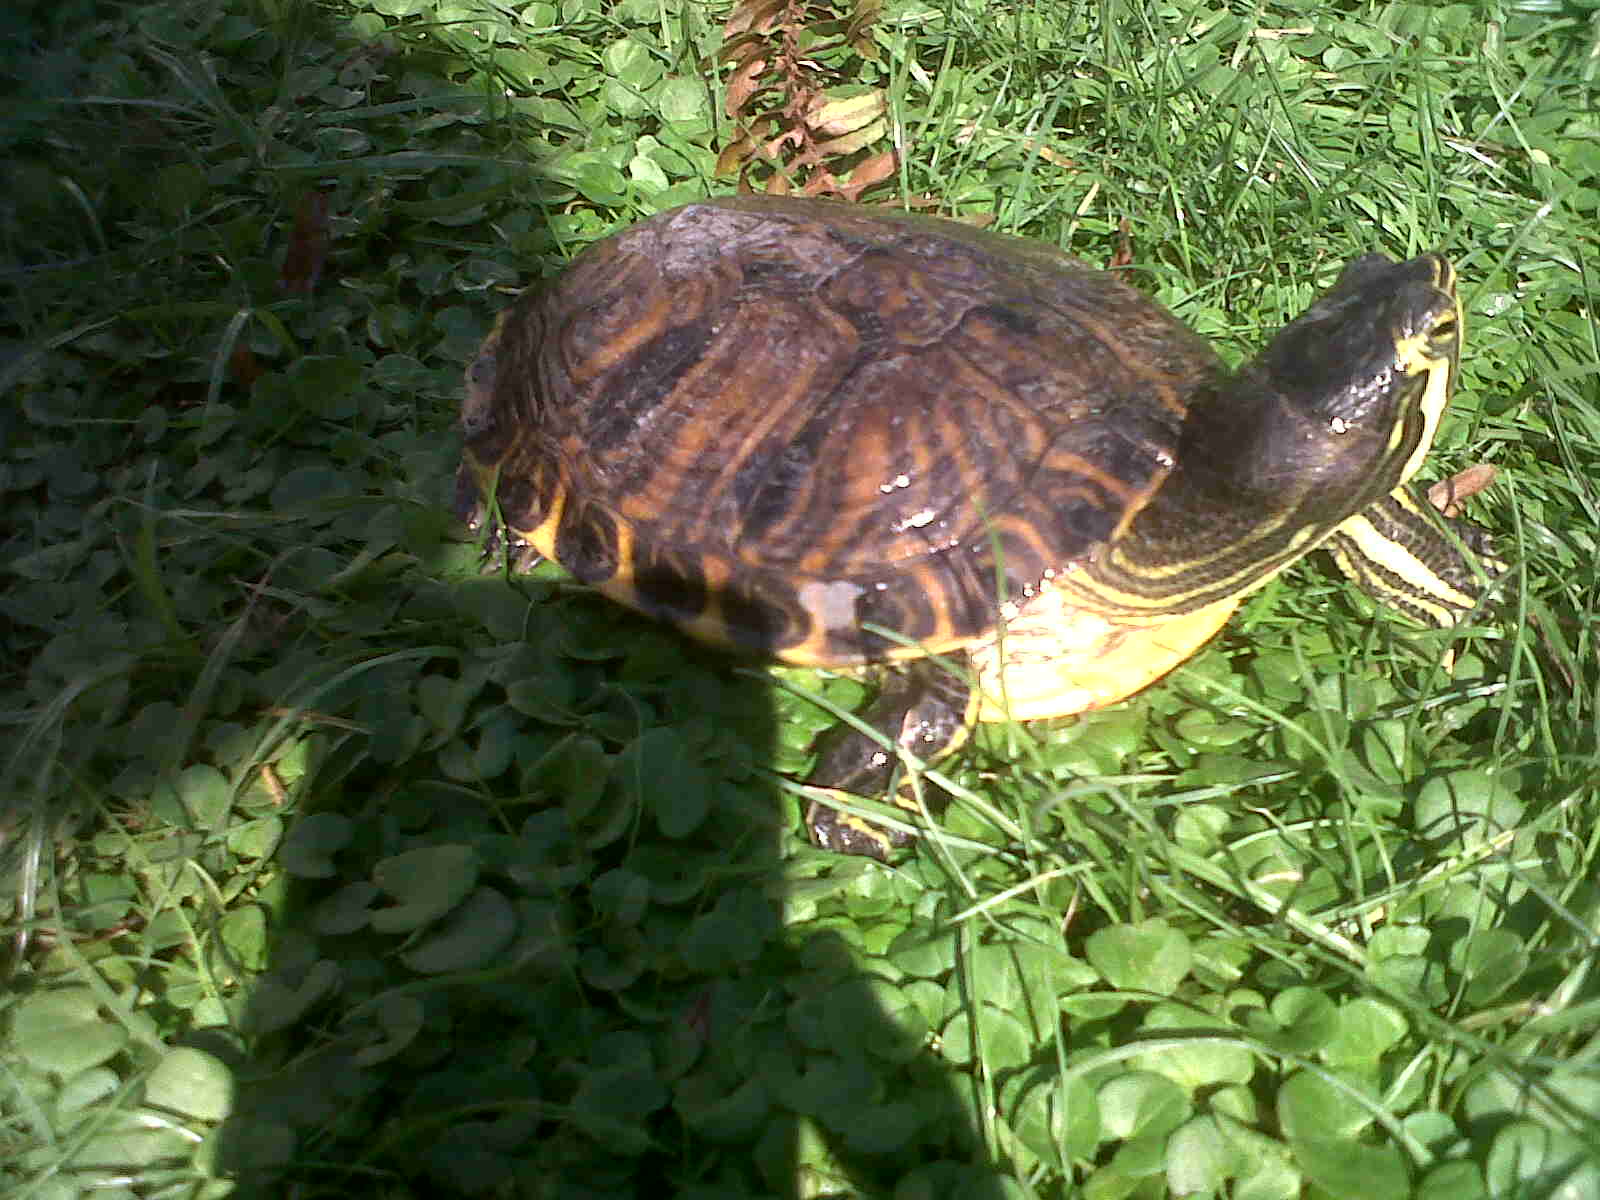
<point>843,436</point>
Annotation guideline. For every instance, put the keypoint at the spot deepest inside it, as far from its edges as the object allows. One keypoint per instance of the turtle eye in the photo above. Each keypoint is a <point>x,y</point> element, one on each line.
<point>1444,334</point>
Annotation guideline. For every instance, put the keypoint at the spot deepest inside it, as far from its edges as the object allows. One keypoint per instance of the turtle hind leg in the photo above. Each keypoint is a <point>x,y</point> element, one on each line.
<point>921,709</point>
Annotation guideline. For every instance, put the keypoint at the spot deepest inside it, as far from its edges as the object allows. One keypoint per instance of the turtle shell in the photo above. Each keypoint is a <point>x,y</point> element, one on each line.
<point>823,432</point>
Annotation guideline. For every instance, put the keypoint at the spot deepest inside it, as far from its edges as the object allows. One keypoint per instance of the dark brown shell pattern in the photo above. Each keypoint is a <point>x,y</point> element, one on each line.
<point>780,423</point>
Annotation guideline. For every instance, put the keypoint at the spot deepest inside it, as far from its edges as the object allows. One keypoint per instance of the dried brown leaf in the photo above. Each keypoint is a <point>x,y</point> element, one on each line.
<point>789,137</point>
<point>742,84</point>
<point>1123,256</point>
<point>979,220</point>
<point>850,143</point>
<point>873,169</point>
<point>831,118</point>
<point>1449,496</point>
<point>243,366</point>
<point>746,45</point>
<point>864,15</point>
<point>1052,156</point>
<point>734,155</point>
<point>307,252</point>
<point>760,16</point>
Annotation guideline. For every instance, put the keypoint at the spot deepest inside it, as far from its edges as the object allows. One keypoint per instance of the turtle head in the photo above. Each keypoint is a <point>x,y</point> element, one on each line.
<point>1338,410</point>
<point>1364,375</point>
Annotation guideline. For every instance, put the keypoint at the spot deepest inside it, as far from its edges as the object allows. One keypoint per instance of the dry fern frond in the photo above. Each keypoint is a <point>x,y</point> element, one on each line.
<point>806,120</point>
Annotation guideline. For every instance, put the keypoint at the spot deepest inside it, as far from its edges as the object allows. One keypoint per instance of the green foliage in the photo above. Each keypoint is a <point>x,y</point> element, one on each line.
<point>333,868</point>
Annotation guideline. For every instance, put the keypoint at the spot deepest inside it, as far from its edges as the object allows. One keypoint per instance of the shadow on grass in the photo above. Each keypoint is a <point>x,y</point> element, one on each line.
<point>575,978</point>
<point>552,931</point>
<point>541,922</point>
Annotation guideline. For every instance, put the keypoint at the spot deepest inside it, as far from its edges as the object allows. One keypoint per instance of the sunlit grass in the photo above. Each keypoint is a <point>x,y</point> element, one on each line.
<point>334,868</point>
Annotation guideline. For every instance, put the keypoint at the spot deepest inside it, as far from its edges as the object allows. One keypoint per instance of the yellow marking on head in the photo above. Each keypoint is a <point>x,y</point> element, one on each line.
<point>1435,397</point>
<point>1418,354</point>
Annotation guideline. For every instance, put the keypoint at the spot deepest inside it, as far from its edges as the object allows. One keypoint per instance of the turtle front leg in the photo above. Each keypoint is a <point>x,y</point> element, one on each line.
<point>921,709</point>
<point>1396,550</point>
<point>479,518</point>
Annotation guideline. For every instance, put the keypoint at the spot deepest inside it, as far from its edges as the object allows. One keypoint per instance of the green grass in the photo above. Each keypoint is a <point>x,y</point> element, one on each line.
<point>332,869</point>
